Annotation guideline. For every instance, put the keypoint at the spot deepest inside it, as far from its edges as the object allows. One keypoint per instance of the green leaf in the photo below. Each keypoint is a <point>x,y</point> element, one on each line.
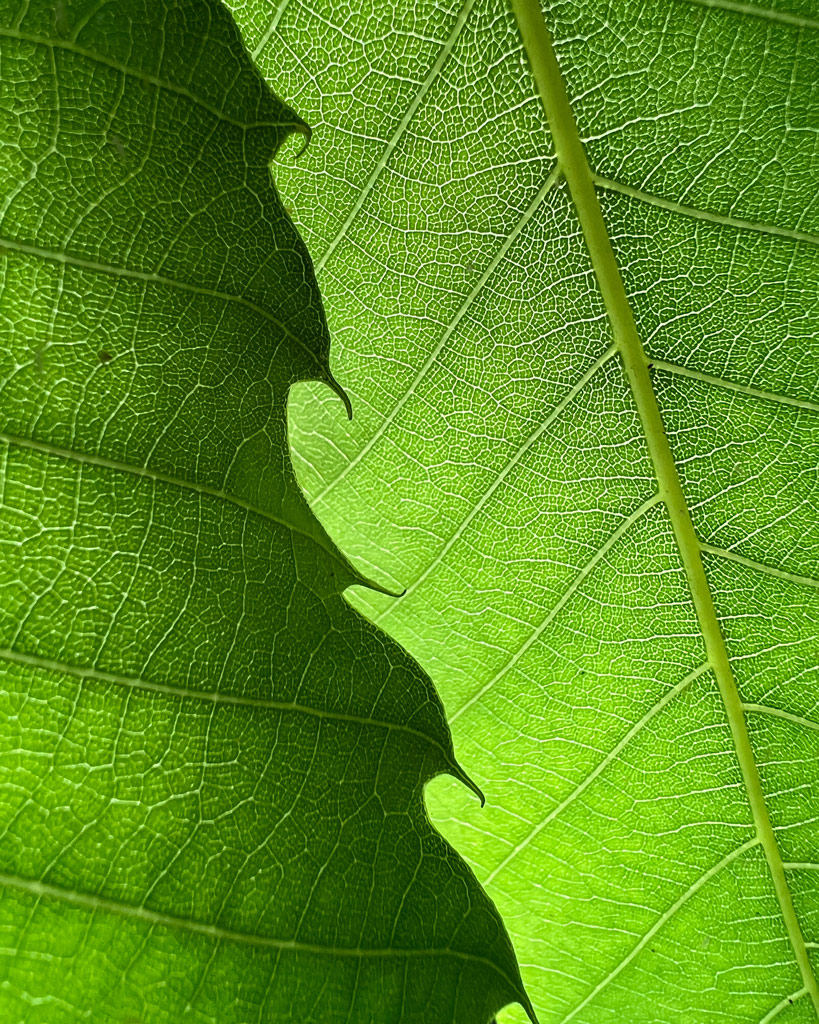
<point>586,442</point>
<point>211,766</point>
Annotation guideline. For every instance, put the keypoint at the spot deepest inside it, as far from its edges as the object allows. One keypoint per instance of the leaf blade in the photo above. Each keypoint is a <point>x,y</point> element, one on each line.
<point>748,295</point>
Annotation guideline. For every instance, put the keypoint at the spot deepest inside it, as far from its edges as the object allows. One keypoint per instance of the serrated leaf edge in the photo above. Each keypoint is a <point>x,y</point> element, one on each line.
<point>575,168</point>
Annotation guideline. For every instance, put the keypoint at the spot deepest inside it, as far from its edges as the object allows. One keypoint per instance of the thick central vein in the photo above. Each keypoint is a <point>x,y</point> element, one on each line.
<point>574,165</point>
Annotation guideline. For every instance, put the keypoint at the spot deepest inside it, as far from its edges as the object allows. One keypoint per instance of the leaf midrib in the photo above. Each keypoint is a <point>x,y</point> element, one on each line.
<point>581,182</point>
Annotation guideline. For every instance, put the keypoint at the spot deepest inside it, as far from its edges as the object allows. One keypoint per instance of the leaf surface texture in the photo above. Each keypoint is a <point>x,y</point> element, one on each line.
<point>500,466</point>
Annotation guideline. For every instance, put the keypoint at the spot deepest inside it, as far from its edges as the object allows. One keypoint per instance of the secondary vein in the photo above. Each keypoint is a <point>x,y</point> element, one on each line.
<point>754,11</point>
<point>666,916</point>
<point>769,570</point>
<point>89,901</point>
<point>695,213</point>
<point>432,358</point>
<point>569,591</point>
<point>71,46</point>
<point>600,767</point>
<point>9,246</point>
<point>730,385</point>
<point>146,473</point>
<point>528,443</point>
<point>574,165</point>
<point>766,709</point>
<point>783,1004</point>
<point>389,149</point>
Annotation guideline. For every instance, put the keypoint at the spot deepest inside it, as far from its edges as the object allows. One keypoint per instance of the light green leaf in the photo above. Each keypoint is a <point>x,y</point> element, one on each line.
<point>623,620</point>
<point>211,767</point>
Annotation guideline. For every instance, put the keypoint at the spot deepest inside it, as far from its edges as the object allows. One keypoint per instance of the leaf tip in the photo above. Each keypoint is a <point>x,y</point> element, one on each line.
<point>379,588</point>
<point>303,129</point>
<point>459,773</point>
<point>342,394</point>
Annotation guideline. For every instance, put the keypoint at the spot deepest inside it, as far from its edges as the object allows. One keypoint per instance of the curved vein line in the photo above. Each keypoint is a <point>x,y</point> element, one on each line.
<point>157,918</point>
<point>208,696</point>
<point>801,865</point>
<point>432,357</point>
<point>510,465</point>
<point>143,76</point>
<point>729,385</point>
<point>696,214</point>
<point>661,920</point>
<point>70,455</point>
<point>770,570</point>
<point>766,709</point>
<point>600,767</point>
<point>319,537</point>
<point>572,161</point>
<point>783,1004</point>
<point>564,597</point>
<point>8,245</point>
<point>389,149</point>
<point>758,12</point>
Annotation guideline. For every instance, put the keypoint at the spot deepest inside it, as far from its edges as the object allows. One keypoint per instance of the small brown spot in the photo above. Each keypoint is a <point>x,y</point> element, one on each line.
<point>104,357</point>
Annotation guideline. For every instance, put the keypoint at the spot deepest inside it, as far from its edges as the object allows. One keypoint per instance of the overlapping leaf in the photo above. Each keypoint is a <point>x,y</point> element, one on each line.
<point>210,765</point>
